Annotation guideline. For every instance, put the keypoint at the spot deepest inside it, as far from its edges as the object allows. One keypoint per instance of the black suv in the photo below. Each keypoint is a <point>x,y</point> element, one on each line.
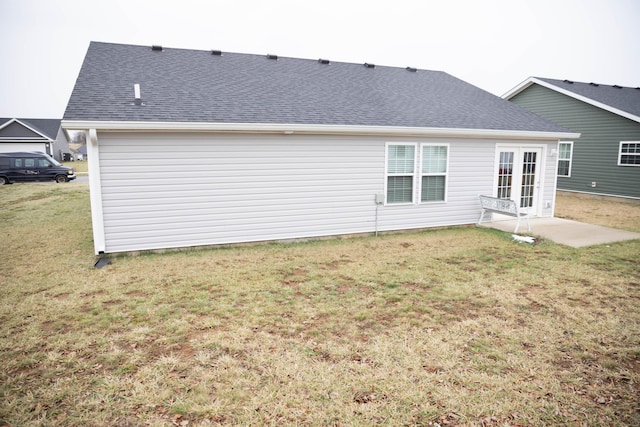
<point>32,166</point>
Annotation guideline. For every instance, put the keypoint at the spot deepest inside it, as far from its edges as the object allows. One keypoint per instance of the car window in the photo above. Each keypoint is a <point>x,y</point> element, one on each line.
<point>44,163</point>
<point>17,163</point>
<point>29,163</point>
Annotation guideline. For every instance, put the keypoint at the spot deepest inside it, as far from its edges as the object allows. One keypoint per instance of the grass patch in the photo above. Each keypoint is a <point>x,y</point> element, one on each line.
<point>458,326</point>
<point>80,166</point>
<point>607,211</point>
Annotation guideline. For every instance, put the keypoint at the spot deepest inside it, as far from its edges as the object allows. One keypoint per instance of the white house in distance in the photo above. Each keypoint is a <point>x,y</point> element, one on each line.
<point>43,135</point>
<point>191,147</point>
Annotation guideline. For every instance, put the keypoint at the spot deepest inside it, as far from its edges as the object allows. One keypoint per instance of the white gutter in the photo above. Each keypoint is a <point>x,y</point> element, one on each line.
<point>116,126</point>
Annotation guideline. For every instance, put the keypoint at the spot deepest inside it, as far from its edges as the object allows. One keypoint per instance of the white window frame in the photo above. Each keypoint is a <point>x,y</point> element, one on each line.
<point>416,176</point>
<point>421,174</point>
<point>413,174</point>
<point>620,153</point>
<point>570,159</point>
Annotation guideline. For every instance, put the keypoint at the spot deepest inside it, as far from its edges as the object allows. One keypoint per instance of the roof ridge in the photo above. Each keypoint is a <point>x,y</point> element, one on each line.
<point>595,84</point>
<point>267,55</point>
<point>198,86</point>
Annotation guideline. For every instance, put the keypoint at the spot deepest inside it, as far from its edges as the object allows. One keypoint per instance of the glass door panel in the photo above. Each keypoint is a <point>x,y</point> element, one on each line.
<point>519,186</point>
<point>505,174</point>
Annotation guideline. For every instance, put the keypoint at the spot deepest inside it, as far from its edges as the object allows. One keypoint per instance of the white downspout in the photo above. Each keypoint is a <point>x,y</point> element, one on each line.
<point>95,191</point>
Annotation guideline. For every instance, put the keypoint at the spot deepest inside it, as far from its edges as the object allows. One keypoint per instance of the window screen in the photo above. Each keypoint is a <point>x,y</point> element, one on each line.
<point>400,173</point>
<point>434,173</point>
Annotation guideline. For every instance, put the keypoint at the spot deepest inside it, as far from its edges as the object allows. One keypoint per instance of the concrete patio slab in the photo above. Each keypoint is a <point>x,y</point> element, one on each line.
<point>566,232</point>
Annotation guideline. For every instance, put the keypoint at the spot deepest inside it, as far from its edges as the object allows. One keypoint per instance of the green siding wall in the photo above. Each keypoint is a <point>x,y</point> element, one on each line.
<point>595,153</point>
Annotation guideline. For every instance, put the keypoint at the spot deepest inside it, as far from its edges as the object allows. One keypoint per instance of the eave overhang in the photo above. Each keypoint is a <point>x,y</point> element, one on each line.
<point>310,129</point>
<point>532,80</point>
<point>43,137</point>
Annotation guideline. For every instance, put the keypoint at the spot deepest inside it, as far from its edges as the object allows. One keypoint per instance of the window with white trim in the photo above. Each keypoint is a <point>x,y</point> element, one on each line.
<point>409,174</point>
<point>629,154</point>
<point>433,173</point>
<point>565,154</point>
<point>401,160</point>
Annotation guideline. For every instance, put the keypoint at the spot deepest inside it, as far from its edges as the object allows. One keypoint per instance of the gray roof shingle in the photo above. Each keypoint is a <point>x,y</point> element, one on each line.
<point>180,85</point>
<point>622,98</point>
<point>48,127</point>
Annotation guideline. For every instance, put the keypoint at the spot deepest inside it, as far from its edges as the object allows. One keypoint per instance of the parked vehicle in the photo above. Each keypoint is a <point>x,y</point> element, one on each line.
<point>32,166</point>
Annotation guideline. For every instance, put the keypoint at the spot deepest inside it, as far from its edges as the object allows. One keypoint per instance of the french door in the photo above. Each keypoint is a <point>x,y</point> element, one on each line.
<point>518,175</point>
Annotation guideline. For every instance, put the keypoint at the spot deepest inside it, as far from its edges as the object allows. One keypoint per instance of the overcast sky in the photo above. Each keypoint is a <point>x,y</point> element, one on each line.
<point>493,44</point>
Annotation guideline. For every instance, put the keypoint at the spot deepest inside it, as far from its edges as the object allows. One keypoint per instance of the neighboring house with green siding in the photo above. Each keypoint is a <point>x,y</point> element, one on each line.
<point>606,158</point>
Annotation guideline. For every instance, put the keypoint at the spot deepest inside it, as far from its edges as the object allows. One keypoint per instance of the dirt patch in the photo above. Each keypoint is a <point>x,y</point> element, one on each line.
<point>337,263</point>
<point>92,294</point>
<point>136,294</point>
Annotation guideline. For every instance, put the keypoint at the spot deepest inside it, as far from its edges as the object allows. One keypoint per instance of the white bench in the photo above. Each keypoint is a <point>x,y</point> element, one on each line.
<point>504,207</point>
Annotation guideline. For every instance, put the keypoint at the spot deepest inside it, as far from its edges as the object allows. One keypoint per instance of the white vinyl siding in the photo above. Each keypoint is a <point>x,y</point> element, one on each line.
<point>164,190</point>
<point>629,154</point>
<point>565,153</point>
<point>169,190</point>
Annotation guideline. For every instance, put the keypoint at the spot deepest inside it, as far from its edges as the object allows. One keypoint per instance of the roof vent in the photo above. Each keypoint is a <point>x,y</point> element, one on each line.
<point>568,81</point>
<point>411,69</point>
<point>323,61</point>
<point>617,87</point>
<point>216,52</point>
<point>270,56</point>
<point>136,94</point>
<point>156,48</point>
<point>593,84</point>
<point>369,65</point>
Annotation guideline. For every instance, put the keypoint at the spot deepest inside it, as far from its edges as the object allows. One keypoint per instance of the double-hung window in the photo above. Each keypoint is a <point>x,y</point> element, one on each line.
<point>433,183</point>
<point>416,170</point>
<point>401,164</point>
<point>565,153</point>
<point>629,154</point>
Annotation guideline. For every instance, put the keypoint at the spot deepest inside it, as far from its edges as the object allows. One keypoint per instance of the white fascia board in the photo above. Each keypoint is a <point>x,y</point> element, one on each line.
<point>531,80</point>
<point>311,129</point>
<point>7,123</point>
<point>28,127</point>
<point>519,88</point>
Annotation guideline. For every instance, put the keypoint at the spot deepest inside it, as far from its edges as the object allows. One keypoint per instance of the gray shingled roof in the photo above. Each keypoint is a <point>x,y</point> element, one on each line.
<point>48,127</point>
<point>179,85</point>
<point>622,98</point>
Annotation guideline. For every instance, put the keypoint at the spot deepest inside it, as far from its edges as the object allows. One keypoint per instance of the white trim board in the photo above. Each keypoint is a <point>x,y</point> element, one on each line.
<point>4,125</point>
<point>532,80</point>
<point>289,129</point>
